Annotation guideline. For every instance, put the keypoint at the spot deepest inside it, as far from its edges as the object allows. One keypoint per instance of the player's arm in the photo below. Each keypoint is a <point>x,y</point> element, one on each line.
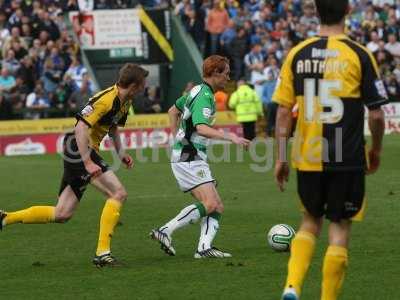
<point>116,138</point>
<point>376,123</point>
<point>282,132</point>
<point>82,140</point>
<point>211,133</point>
<point>174,115</point>
<point>284,95</point>
<point>374,95</point>
<point>88,117</point>
<point>203,120</point>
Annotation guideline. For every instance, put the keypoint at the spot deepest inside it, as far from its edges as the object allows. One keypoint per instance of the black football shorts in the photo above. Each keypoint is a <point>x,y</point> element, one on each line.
<point>337,195</point>
<point>75,174</point>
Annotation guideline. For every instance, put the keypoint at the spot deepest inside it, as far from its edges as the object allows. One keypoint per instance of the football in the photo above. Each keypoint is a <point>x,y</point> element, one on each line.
<point>280,236</point>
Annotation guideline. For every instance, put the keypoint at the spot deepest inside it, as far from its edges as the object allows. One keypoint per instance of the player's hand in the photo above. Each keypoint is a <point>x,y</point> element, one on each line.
<point>93,169</point>
<point>239,140</point>
<point>127,160</point>
<point>374,161</point>
<point>281,174</point>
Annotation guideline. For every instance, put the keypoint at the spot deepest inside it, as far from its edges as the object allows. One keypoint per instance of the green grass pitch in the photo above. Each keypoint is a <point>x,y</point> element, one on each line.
<point>54,261</point>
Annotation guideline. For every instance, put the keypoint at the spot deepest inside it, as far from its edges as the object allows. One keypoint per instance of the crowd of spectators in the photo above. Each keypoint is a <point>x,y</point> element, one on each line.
<point>257,34</point>
<point>41,72</point>
<point>42,75</point>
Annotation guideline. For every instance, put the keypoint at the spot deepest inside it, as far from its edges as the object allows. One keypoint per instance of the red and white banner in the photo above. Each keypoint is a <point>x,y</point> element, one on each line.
<point>46,136</point>
<point>392,119</point>
<point>49,143</point>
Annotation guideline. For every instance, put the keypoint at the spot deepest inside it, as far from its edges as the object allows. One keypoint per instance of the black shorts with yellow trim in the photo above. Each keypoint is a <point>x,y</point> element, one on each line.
<point>335,195</point>
<point>75,174</point>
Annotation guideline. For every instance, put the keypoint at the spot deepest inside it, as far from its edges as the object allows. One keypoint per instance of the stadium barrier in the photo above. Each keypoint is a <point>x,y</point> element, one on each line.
<point>392,118</point>
<point>27,137</point>
<point>45,136</point>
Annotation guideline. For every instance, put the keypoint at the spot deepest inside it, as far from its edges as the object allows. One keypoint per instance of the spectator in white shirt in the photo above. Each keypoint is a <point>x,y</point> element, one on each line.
<point>393,46</point>
<point>309,18</point>
<point>254,60</point>
<point>76,71</point>
<point>258,78</point>
<point>37,100</point>
<point>373,45</point>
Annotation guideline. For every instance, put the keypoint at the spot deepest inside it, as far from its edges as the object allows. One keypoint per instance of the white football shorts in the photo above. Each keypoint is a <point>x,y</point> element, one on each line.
<point>190,175</point>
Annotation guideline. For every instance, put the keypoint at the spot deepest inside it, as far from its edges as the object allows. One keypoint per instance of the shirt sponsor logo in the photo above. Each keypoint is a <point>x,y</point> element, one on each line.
<point>207,112</point>
<point>87,110</point>
<point>380,87</point>
<point>350,207</point>
<point>324,53</point>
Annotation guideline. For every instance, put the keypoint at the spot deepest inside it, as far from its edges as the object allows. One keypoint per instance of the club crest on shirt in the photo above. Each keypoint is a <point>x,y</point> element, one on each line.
<point>201,173</point>
<point>87,110</point>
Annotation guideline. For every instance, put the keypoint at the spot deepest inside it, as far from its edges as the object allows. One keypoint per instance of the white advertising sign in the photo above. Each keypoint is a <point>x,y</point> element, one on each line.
<point>108,29</point>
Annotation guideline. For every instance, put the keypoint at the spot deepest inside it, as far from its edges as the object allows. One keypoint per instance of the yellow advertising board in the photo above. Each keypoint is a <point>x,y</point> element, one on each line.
<point>22,127</point>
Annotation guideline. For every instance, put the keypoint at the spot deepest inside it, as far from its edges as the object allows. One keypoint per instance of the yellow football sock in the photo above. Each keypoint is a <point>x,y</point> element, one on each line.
<point>301,252</point>
<point>335,264</point>
<point>31,215</point>
<point>109,218</point>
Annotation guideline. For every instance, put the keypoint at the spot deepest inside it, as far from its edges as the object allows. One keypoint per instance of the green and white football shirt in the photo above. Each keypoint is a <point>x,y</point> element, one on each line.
<point>197,107</point>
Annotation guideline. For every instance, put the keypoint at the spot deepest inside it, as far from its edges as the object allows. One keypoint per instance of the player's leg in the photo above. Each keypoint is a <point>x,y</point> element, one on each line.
<point>109,184</point>
<point>208,203</point>
<point>310,190</point>
<point>31,215</point>
<point>301,253</point>
<point>190,176</point>
<point>345,203</point>
<point>62,212</point>
<point>336,259</point>
<point>67,203</point>
<point>208,195</point>
<point>249,130</point>
<point>189,215</point>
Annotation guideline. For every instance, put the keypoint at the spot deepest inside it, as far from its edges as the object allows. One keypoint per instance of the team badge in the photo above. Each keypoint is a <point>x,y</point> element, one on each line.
<point>87,110</point>
<point>201,174</point>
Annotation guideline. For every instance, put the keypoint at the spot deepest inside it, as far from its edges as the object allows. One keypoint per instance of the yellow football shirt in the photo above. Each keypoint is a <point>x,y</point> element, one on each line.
<point>330,79</point>
<point>103,111</point>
